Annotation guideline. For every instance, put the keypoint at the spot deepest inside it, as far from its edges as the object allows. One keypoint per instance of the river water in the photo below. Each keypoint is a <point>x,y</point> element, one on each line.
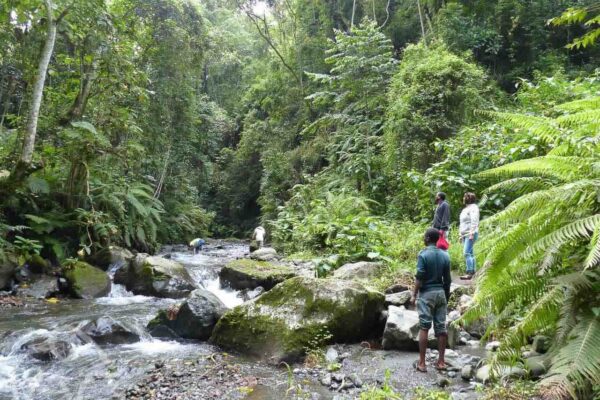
<point>100,372</point>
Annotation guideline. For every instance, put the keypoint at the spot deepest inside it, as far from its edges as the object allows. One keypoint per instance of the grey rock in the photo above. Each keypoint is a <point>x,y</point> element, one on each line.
<point>326,380</point>
<point>155,276</point>
<point>402,330</point>
<point>537,365</point>
<point>484,374</point>
<point>106,330</point>
<point>47,349</point>
<point>359,270</point>
<point>331,355</point>
<point>40,287</point>
<point>8,270</point>
<point>264,254</point>
<point>195,318</point>
<point>453,315</point>
<point>111,256</point>
<point>467,372</point>
<point>540,344</point>
<point>398,299</point>
<point>451,374</point>
<point>492,346</point>
<point>396,288</point>
<point>273,326</point>
<point>442,382</point>
<point>530,353</point>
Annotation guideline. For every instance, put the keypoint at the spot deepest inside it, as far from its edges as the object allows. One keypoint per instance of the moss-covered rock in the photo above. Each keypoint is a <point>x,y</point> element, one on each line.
<point>86,281</point>
<point>249,274</point>
<point>110,256</point>
<point>37,264</point>
<point>155,276</point>
<point>8,269</point>
<point>282,323</point>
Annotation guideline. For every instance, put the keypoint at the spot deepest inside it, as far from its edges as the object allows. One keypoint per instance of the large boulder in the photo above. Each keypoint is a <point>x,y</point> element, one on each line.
<point>195,318</point>
<point>47,348</point>
<point>86,281</point>
<point>398,299</point>
<point>249,274</point>
<point>537,365</point>
<point>359,270</point>
<point>110,256</point>
<point>155,276</point>
<point>264,254</point>
<point>37,264</point>
<point>106,330</point>
<point>402,331</point>
<point>283,322</point>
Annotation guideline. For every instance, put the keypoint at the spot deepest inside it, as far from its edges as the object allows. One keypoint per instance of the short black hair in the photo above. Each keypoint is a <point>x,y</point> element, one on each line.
<point>431,236</point>
<point>441,195</point>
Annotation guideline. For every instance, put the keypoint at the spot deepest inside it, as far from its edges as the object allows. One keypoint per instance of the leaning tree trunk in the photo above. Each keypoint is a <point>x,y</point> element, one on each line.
<point>38,90</point>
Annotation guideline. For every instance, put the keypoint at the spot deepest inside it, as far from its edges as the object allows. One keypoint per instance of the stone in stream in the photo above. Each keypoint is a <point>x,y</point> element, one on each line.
<point>40,287</point>
<point>155,276</point>
<point>47,349</point>
<point>250,274</point>
<point>85,281</point>
<point>111,255</point>
<point>484,374</point>
<point>264,254</point>
<point>540,344</point>
<point>402,330</point>
<point>195,318</point>
<point>283,322</point>
<point>106,330</point>
<point>358,270</point>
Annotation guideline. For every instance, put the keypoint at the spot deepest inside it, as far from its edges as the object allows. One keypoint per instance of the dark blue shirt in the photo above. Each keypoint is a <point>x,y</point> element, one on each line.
<point>433,269</point>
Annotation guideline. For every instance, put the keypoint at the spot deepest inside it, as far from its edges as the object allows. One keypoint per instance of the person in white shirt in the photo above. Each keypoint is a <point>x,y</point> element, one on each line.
<point>197,244</point>
<point>259,236</point>
<point>469,231</point>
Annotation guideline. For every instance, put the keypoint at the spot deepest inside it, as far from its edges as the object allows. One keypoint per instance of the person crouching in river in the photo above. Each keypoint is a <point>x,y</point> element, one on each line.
<point>197,244</point>
<point>432,286</point>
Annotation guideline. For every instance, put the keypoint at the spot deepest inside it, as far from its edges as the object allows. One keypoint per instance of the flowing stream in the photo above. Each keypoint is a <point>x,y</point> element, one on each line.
<point>100,372</point>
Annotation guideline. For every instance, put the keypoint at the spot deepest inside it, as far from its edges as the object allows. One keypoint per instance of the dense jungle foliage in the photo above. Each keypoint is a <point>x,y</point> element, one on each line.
<point>331,122</point>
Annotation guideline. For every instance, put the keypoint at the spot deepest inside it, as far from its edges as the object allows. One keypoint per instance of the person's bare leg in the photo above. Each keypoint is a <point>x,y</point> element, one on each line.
<point>442,342</point>
<point>423,333</point>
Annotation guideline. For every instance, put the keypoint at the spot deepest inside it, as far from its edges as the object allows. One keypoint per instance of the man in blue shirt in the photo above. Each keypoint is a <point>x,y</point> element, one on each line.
<point>432,284</point>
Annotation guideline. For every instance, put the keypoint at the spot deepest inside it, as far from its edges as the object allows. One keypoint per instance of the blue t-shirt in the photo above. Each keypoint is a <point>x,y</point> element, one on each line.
<point>433,269</point>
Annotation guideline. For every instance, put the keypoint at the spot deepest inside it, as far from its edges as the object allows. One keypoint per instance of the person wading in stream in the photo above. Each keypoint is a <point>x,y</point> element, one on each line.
<point>432,285</point>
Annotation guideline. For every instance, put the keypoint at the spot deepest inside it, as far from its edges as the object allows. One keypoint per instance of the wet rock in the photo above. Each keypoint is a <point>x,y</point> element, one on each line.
<point>162,331</point>
<point>326,380</point>
<point>106,330</point>
<point>530,353</point>
<point>250,274</point>
<point>442,382</point>
<point>537,365</point>
<point>484,374</point>
<point>40,287</point>
<point>249,294</point>
<point>398,299</point>
<point>331,355</point>
<point>47,349</point>
<point>540,344</point>
<point>280,324</point>
<point>396,288</point>
<point>86,281</point>
<point>466,372</point>
<point>492,346</point>
<point>264,254</point>
<point>402,330</point>
<point>451,374</point>
<point>464,337</point>
<point>476,328</point>
<point>110,256</point>
<point>453,315</point>
<point>359,270</point>
<point>155,276</point>
<point>195,318</point>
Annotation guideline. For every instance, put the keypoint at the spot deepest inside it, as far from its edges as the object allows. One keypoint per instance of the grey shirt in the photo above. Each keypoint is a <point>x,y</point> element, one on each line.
<point>441,218</point>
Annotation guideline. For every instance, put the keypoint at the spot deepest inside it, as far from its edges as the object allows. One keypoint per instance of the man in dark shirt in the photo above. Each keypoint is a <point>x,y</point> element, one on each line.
<point>441,218</point>
<point>432,284</point>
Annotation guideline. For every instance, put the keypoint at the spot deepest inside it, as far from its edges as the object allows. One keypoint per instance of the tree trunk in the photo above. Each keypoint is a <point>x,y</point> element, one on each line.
<point>352,20</point>
<point>421,20</point>
<point>38,89</point>
<point>85,87</point>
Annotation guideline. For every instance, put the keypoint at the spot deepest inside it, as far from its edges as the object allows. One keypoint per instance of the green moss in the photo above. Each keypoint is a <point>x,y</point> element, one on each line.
<point>160,319</point>
<point>259,269</point>
<point>87,281</point>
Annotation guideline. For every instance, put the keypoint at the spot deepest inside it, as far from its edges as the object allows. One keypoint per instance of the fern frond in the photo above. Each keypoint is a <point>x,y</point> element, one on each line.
<point>576,364</point>
<point>580,118</point>
<point>545,128</point>
<point>561,168</point>
<point>593,257</point>
<point>520,185</point>
<point>580,105</point>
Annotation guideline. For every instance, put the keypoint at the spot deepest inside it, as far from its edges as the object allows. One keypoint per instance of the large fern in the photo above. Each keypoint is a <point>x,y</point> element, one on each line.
<point>543,250</point>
